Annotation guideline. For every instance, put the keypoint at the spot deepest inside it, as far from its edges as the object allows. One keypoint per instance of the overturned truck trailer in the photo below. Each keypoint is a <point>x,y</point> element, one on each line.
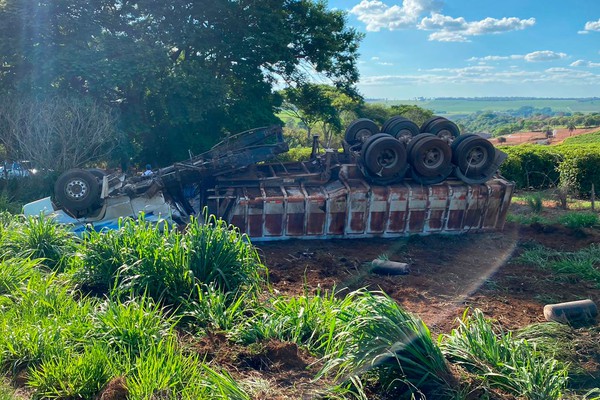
<point>392,181</point>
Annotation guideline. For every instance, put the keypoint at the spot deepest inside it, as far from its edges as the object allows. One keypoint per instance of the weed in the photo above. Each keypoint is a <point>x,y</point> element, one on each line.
<point>503,362</point>
<point>73,375</point>
<point>582,263</point>
<point>131,326</point>
<point>535,202</point>
<point>578,220</point>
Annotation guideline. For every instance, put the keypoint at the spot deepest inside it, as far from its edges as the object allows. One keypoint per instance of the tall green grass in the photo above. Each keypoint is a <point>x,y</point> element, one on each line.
<point>168,265</point>
<point>379,336</point>
<point>39,238</point>
<point>584,263</point>
<point>501,361</point>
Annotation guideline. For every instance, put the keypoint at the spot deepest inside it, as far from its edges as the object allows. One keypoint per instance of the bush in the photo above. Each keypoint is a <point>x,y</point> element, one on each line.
<point>531,166</point>
<point>580,168</point>
<point>575,166</point>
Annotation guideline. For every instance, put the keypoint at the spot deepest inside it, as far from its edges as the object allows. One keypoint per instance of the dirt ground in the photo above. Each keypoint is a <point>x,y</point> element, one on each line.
<point>447,273</point>
<point>534,137</point>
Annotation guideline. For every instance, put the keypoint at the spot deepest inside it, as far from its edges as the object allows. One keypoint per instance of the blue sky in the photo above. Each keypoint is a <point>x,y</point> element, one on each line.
<point>476,48</point>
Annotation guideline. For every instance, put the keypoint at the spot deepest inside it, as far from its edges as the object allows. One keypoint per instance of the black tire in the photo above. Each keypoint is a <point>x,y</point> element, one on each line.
<point>77,190</point>
<point>403,130</point>
<point>371,139</point>
<point>430,156</point>
<point>386,124</point>
<point>359,130</point>
<point>425,126</point>
<point>415,140</point>
<point>474,156</point>
<point>97,172</point>
<point>444,129</point>
<point>385,157</point>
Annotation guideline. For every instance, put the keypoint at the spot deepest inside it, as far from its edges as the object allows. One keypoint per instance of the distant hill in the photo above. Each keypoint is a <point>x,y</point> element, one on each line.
<point>449,106</point>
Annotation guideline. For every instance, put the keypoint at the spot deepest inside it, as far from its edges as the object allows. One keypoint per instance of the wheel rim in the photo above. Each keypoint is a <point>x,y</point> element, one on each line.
<point>446,136</point>
<point>404,136</point>
<point>387,158</point>
<point>432,158</point>
<point>77,189</point>
<point>477,157</point>
<point>363,135</point>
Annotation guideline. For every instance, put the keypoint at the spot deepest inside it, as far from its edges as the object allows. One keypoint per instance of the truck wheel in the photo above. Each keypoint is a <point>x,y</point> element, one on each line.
<point>359,130</point>
<point>425,127</point>
<point>444,129</point>
<point>77,190</point>
<point>385,157</point>
<point>388,122</point>
<point>97,172</point>
<point>473,156</point>
<point>403,130</point>
<point>430,156</point>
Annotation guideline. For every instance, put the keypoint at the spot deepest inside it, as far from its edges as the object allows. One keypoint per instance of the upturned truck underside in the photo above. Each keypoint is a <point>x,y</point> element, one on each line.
<point>389,181</point>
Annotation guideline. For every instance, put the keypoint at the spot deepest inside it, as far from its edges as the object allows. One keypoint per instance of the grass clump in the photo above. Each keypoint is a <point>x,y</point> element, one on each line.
<point>40,238</point>
<point>535,202</point>
<point>379,337</point>
<point>578,220</point>
<point>583,263</point>
<point>503,362</point>
<point>131,326</point>
<point>167,265</point>
<point>78,375</point>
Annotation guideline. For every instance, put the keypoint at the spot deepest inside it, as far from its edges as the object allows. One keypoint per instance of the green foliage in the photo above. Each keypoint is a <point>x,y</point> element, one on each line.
<point>168,265</point>
<point>306,320</point>
<point>588,138</point>
<point>503,362</point>
<point>577,220</point>
<point>79,375</point>
<point>14,273</point>
<point>219,253</point>
<point>178,84</point>
<point>7,393</point>
<point>380,336</point>
<point>295,154</point>
<point>43,322</point>
<point>535,202</point>
<point>583,263</point>
<point>531,166</point>
<point>534,166</point>
<point>162,371</point>
<point>217,311</point>
<point>41,238</point>
<point>132,326</point>
<point>580,168</point>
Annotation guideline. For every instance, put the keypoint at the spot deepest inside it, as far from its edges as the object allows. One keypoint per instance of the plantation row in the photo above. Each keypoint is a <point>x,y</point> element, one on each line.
<point>574,166</point>
<point>114,308</point>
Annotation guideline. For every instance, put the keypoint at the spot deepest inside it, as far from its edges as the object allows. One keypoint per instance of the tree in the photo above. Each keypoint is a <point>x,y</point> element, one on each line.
<point>57,133</point>
<point>319,105</point>
<point>415,113</point>
<point>180,73</point>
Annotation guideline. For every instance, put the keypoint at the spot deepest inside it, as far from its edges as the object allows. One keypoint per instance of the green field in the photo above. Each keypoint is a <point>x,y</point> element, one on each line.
<point>468,106</point>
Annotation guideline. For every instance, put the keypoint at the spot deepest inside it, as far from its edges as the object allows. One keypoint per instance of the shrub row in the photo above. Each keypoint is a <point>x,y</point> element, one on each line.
<point>576,166</point>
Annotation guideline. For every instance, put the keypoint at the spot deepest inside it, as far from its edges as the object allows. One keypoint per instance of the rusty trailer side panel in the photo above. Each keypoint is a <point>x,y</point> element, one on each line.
<point>353,208</point>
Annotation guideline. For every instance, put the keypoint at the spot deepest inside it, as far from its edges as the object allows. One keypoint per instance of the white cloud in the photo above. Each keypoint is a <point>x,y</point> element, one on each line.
<point>378,15</point>
<point>451,29</point>
<point>584,63</point>
<point>497,58</point>
<point>536,56</point>
<point>487,75</point>
<point>544,55</point>
<point>590,26</point>
<point>375,58</point>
